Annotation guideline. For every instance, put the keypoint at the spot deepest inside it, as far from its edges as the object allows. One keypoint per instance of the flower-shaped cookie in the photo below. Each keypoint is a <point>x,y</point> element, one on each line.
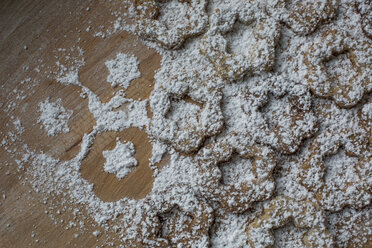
<point>182,122</point>
<point>365,118</point>
<point>364,7</point>
<point>302,16</point>
<point>339,67</point>
<point>285,120</point>
<point>279,212</point>
<point>181,220</point>
<point>185,105</point>
<point>338,169</point>
<point>255,35</point>
<point>189,18</point>
<point>235,173</point>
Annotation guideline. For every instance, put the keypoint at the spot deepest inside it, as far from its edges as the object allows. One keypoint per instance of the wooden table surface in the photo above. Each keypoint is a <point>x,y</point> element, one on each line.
<point>30,34</point>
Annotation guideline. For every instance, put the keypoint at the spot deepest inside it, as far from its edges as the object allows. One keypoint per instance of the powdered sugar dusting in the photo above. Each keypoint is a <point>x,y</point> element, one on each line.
<point>123,69</point>
<point>54,117</point>
<point>263,110</point>
<point>120,161</point>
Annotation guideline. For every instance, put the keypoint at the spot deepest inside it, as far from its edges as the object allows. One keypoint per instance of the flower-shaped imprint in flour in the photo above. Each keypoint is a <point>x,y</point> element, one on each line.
<point>302,16</point>
<point>185,113</point>
<point>285,120</point>
<point>364,7</point>
<point>169,25</point>
<point>241,41</point>
<point>338,169</point>
<point>235,173</point>
<point>282,210</point>
<point>180,220</point>
<point>339,67</point>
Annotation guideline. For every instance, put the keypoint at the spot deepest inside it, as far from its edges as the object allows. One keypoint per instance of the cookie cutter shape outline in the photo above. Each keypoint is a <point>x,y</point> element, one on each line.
<point>148,26</point>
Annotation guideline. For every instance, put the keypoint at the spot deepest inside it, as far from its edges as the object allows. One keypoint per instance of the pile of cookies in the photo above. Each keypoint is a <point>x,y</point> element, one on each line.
<point>265,108</point>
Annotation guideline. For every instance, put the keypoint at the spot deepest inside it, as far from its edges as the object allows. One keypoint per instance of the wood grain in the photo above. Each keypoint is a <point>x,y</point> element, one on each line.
<point>30,33</point>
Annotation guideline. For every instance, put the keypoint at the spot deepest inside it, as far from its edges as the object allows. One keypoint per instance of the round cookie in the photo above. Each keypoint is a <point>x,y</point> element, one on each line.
<point>169,35</point>
<point>345,87</point>
<point>279,212</point>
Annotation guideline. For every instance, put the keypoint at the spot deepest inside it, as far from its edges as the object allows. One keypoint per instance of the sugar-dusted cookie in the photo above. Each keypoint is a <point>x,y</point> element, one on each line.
<point>365,117</point>
<point>236,173</point>
<point>364,7</point>
<point>303,16</point>
<point>337,169</point>
<point>171,30</point>
<point>177,220</point>
<point>184,124</point>
<point>184,116</point>
<point>255,36</point>
<point>339,67</point>
<point>185,219</point>
<point>281,111</point>
<point>185,104</point>
<point>282,210</point>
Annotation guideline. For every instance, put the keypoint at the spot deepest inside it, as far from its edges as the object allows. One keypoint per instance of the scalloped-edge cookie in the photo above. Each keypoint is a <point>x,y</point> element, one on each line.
<point>348,184</point>
<point>365,117</point>
<point>279,212</point>
<point>185,124</point>
<point>257,183</point>
<point>185,103</point>
<point>258,56</point>
<point>364,8</point>
<point>334,81</point>
<point>147,24</point>
<point>286,119</point>
<point>303,16</point>
<point>180,220</point>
